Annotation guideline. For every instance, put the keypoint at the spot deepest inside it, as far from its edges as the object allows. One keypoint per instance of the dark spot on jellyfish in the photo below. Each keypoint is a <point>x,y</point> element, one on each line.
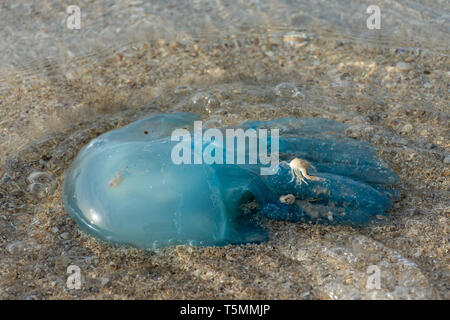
<point>145,132</point>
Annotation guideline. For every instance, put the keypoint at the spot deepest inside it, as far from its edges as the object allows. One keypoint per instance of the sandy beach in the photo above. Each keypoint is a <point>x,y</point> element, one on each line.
<point>395,99</point>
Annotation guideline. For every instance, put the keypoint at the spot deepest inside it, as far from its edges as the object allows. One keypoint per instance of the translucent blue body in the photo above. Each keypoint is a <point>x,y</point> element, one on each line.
<point>124,187</point>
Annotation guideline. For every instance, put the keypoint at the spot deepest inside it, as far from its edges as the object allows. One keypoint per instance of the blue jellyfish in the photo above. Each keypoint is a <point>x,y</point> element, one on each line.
<point>164,180</point>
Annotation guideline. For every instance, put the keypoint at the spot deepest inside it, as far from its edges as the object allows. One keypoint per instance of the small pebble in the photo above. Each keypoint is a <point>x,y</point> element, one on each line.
<point>14,247</point>
<point>104,281</point>
<point>295,39</point>
<point>403,66</point>
<point>65,235</point>
<point>447,159</point>
<point>355,131</point>
<point>62,262</point>
<point>407,128</point>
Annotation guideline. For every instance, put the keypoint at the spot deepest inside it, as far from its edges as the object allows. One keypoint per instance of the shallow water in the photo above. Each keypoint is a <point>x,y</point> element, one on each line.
<point>36,40</point>
<point>231,61</point>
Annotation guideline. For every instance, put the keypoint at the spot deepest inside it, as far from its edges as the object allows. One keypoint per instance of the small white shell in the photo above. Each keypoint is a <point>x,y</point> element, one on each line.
<point>287,199</point>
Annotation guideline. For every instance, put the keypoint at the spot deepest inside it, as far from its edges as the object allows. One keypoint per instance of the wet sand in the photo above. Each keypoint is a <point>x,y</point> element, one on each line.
<point>395,99</point>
